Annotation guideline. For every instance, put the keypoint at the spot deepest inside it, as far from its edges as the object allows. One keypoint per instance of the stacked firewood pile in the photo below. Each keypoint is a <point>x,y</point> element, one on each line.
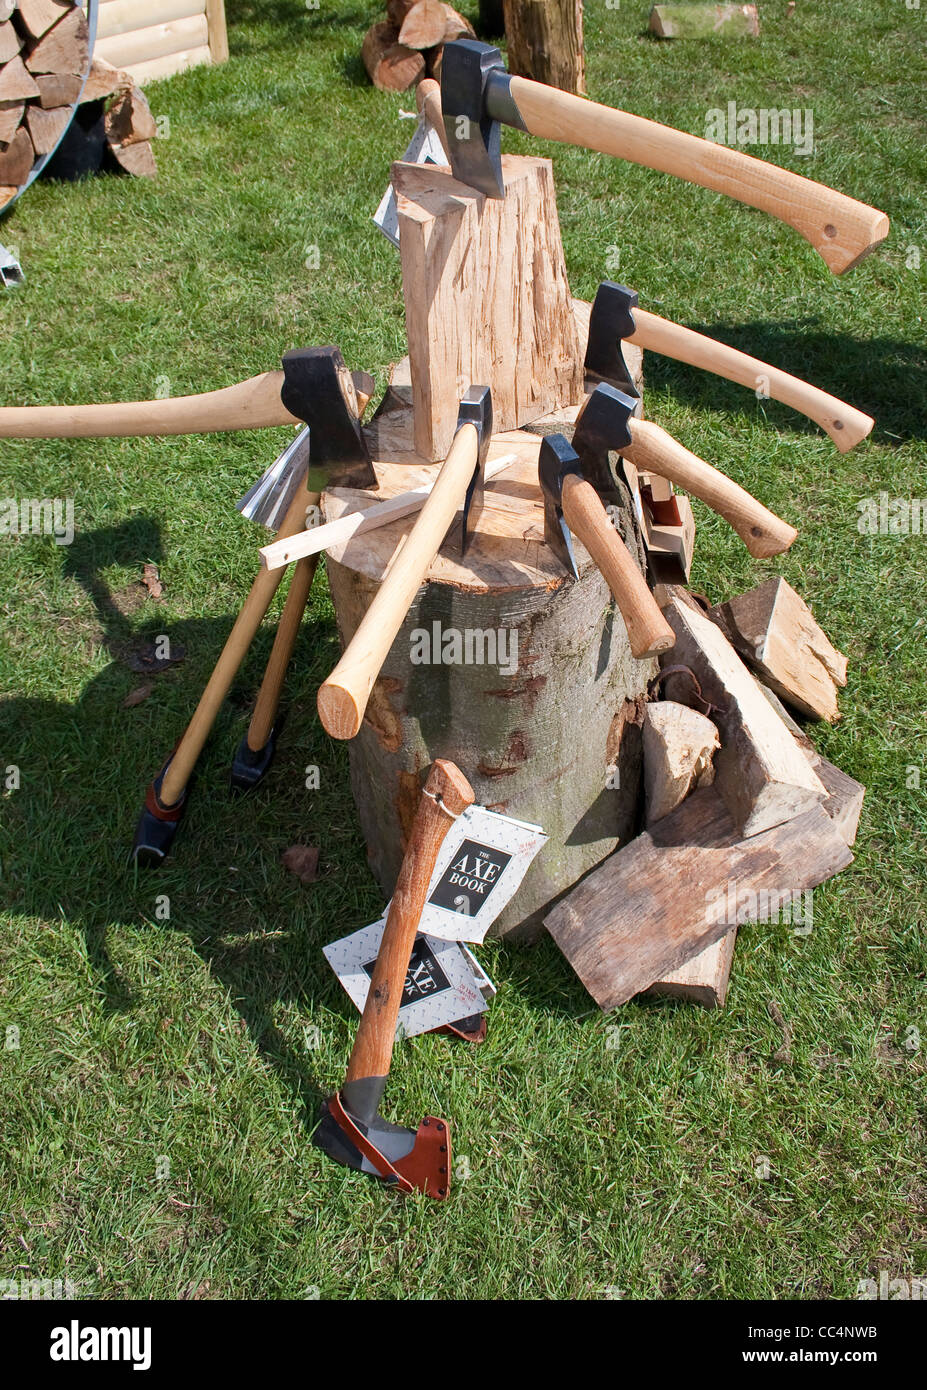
<point>44,53</point>
<point>407,46</point>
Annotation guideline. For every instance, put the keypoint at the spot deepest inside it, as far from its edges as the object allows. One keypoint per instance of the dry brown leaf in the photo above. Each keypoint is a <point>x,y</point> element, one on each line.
<point>303,861</point>
<point>136,696</point>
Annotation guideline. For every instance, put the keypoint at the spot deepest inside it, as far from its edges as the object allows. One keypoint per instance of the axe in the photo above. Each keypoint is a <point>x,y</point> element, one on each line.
<point>615,317</point>
<point>572,503</point>
<point>606,423</point>
<point>321,377</point>
<point>477,94</point>
<point>314,388</point>
<point>350,1129</point>
<point>343,697</point>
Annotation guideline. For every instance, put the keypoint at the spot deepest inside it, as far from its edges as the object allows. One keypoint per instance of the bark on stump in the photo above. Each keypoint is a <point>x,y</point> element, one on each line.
<point>545,42</point>
<point>536,742</point>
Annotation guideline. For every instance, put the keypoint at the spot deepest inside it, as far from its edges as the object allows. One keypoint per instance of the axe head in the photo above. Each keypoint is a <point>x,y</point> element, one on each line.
<point>602,428</point>
<point>331,451</point>
<point>475,97</point>
<point>611,319</point>
<point>475,409</point>
<point>556,459</point>
<point>410,1160</point>
<point>318,388</point>
<point>268,500</point>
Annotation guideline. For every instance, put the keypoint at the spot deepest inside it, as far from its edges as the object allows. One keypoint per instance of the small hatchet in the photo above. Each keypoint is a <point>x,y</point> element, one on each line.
<point>343,697</point>
<point>606,424</point>
<point>572,503</point>
<point>616,317</point>
<point>351,1130</point>
<point>477,94</point>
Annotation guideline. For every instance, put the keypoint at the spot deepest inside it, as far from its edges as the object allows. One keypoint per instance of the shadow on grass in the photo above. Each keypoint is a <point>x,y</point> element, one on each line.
<point>67,831</point>
<point>882,376</point>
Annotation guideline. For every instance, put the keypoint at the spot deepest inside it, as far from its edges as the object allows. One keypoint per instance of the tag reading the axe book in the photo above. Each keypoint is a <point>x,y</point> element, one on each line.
<point>444,982</point>
<point>481,863</point>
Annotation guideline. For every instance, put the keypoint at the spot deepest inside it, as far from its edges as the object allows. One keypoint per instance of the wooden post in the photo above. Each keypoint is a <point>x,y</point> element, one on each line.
<point>486,296</point>
<point>545,42</point>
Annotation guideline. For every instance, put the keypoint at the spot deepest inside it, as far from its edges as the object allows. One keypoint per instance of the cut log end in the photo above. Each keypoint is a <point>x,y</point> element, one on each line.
<point>390,65</point>
<point>338,711</point>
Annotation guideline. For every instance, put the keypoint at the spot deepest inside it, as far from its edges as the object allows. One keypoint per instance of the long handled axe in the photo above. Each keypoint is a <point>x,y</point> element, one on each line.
<point>351,1130</point>
<point>477,94</point>
<point>616,317</point>
<point>573,504</point>
<point>606,424</point>
<point>343,697</point>
<point>324,393</point>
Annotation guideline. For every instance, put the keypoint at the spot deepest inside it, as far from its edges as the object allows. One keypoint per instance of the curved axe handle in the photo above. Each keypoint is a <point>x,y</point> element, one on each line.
<point>648,631</point>
<point>653,450</point>
<point>342,699</point>
<point>447,792</point>
<point>248,405</point>
<point>840,229</point>
<point>845,425</point>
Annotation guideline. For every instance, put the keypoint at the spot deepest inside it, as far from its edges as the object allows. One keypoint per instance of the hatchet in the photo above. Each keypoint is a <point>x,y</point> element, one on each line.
<point>616,317</point>
<point>572,504</point>
<point>343,697</point>
<point>606,424</point>
<point>351,1130</point>
<point>477,94</point>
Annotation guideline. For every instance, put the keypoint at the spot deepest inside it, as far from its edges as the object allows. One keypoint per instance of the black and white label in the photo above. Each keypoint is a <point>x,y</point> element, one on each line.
<point>468,881</point>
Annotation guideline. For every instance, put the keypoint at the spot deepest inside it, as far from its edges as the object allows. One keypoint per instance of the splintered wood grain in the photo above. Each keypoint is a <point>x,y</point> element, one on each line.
<point>486,298</point>
<point>661,900</point>
<point>775,631</point>
<point>761,774</point>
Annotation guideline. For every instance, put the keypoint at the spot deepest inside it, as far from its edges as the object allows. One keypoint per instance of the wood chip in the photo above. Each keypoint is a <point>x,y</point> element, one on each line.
<point>152,581</point>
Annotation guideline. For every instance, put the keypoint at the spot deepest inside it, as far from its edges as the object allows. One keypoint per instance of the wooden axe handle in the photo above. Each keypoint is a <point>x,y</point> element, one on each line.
<point>648,631</point>
<point>342,699</point>
<point>447,792</point>
<point>653,450</point>
<point>840,229</point>
<point>845,425</point>
<point>428,102</point>
<point>248,405</point>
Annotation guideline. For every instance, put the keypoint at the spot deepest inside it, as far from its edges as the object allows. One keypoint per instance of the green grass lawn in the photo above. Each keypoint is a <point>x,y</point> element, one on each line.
<point>155,1117</point>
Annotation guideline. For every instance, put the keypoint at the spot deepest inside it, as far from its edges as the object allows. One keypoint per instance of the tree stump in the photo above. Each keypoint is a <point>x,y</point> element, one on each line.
<point>545,42</point>
<point>548,730</point>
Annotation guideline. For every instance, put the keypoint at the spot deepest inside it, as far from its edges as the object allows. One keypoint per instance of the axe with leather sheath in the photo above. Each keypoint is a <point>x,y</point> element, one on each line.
<point>477,94</point>
<point>573,504</point>
<point>342,699</point>
<point>351,1130</point>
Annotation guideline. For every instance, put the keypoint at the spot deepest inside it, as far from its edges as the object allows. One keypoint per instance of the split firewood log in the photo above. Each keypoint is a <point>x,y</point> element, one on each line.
<point>104,80</point>
<point>424,25</point>
<point>391,66</point>
<point>11,113</point>
<point>65,47</point>
<point>47,127</point>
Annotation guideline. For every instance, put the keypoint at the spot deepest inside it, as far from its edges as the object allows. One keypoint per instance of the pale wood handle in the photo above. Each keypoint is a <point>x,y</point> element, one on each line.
<point>342,699</point>
<point>839,228</point>
<point>648,631</point>
<point>373,1045</point>
<point>250,404</point>
<point>428,100</point>
<point>268,698</point>
<point>250,617</point>
<point>653,450</point>
<point>845,425</point>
